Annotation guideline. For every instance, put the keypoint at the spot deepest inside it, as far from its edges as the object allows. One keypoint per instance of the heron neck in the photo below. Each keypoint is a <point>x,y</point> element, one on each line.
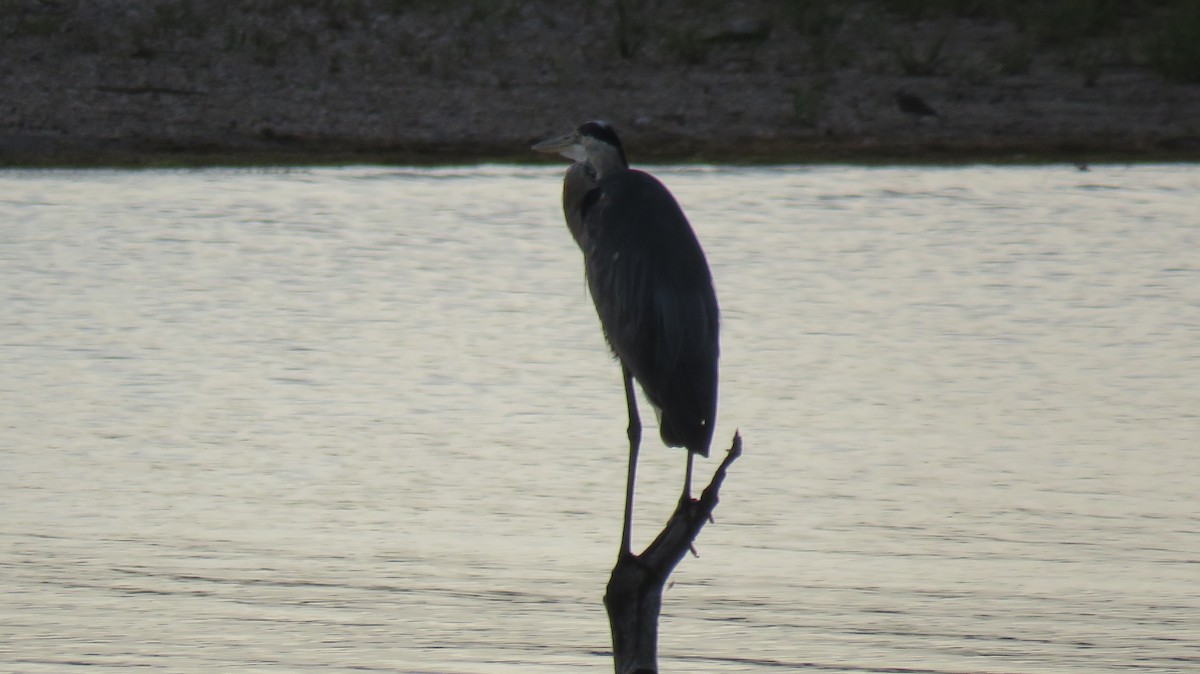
<point>608,163</point>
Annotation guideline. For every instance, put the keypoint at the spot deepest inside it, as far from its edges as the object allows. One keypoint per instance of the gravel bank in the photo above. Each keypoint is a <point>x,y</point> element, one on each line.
<point>199,81</point>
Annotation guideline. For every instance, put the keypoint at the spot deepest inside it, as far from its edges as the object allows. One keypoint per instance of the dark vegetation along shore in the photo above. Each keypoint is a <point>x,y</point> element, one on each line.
<point>93,82</point>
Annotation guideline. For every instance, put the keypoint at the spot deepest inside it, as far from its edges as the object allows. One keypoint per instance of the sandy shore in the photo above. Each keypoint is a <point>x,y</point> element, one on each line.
<point>193,81</point>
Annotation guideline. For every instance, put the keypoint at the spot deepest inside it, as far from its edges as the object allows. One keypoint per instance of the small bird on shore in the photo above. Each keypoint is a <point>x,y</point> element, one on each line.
<point>652,288</point>
<point>913,105</point>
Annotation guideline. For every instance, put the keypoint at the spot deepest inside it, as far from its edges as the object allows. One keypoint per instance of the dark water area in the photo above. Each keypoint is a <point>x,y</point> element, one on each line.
<point>363,419</point>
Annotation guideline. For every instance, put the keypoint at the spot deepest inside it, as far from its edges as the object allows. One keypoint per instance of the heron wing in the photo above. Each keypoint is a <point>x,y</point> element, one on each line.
<point>653,292</point>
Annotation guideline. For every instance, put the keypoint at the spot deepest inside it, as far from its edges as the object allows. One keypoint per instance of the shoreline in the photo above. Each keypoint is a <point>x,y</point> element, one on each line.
<point>1031,154</point>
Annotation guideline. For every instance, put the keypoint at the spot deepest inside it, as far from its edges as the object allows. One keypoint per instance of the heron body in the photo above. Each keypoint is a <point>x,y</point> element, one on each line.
<point>652,288</point>
<point>653,291</point>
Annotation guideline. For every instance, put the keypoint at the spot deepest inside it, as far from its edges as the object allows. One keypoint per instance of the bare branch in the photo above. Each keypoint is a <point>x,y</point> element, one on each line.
<point>634,595</point>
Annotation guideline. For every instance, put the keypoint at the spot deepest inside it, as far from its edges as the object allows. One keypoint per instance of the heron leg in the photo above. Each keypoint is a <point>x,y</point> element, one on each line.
<point>687,478</point>
<point>634,432</point>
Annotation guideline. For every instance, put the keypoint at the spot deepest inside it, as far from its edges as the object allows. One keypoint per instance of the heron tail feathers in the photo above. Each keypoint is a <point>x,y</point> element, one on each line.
<point>696,435</point>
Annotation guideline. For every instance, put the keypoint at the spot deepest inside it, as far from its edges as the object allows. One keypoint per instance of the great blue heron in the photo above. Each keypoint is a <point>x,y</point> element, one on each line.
<point>652,288</point>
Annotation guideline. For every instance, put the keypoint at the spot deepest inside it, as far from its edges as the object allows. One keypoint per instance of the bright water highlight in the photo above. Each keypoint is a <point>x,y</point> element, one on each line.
<point>363,419</point>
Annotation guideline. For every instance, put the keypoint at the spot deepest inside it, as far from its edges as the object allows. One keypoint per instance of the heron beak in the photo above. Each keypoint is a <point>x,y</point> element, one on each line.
<point>558,143</point>
<point>568,145</point>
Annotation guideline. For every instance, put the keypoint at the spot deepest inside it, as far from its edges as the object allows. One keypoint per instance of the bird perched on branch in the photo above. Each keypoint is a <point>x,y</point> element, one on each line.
<point>652,288</point>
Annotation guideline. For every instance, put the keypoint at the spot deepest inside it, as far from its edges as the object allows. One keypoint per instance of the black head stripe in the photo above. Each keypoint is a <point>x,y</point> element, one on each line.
<point>603,132</point>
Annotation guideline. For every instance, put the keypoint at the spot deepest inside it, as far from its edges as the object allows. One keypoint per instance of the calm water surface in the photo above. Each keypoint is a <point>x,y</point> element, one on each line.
<point>363,419</point>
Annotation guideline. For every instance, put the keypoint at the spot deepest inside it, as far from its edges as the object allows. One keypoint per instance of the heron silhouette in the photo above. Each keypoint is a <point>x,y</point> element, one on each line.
<point>653,292</point>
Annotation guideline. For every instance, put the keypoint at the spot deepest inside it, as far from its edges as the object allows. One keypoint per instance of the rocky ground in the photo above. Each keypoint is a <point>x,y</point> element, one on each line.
<point>199,81</point>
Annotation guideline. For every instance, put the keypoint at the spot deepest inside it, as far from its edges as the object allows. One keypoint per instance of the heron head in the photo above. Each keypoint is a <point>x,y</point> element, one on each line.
<point>594,142</point>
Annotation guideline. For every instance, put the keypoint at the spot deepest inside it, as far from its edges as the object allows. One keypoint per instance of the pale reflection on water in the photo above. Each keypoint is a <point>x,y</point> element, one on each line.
<point>363,419</point>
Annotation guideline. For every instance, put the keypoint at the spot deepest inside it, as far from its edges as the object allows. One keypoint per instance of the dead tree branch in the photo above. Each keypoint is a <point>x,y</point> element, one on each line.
<point>634,594</point>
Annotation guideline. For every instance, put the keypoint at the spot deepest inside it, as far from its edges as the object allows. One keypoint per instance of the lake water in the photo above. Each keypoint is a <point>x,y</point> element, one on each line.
<point>363,419</point>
